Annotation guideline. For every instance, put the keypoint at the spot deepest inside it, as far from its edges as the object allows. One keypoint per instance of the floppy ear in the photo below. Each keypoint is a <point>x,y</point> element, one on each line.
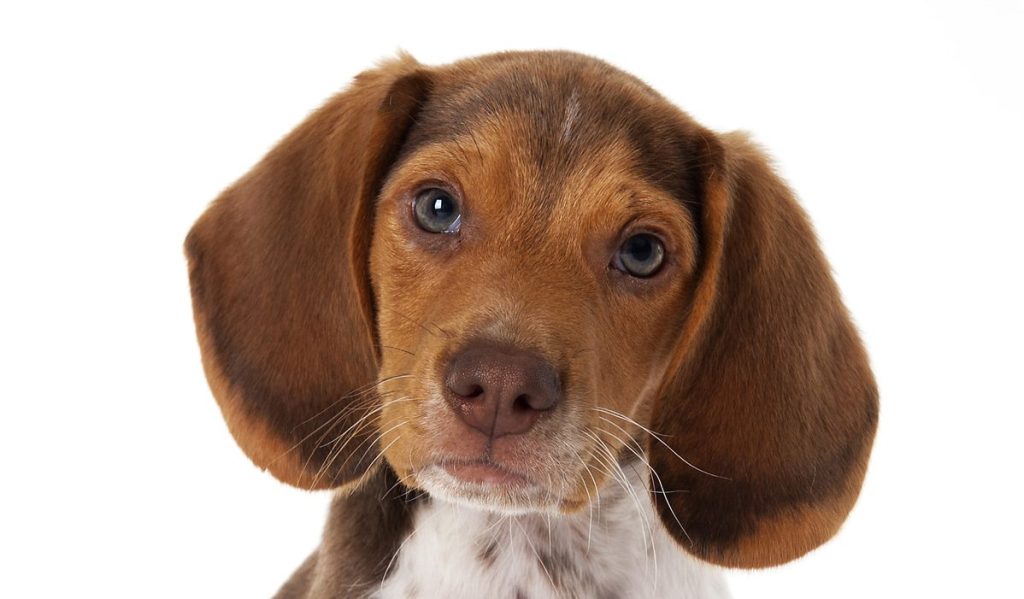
<point>770,388</point>
<point>279,273</point>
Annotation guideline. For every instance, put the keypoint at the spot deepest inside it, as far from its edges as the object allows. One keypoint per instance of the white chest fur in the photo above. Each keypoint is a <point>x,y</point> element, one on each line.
<point>615,550</point>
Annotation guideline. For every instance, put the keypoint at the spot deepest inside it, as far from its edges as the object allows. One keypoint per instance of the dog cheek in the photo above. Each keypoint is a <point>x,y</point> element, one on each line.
<point>400,436</point>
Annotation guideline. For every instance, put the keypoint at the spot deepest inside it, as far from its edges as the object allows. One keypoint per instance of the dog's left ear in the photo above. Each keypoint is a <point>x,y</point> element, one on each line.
<point>769,390</point>
<point>280,284</point>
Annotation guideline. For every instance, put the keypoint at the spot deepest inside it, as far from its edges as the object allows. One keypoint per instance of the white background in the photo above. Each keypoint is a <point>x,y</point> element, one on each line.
<point>899,125</point>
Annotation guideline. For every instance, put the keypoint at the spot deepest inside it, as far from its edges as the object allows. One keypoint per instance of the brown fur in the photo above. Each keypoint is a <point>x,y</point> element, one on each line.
<point>345,560</point>
<point>282,310</point>
<point>319,304</point>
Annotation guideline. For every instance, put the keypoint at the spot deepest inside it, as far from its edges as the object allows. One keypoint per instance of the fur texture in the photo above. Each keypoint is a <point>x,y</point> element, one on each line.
<point>613,549</point>
<point>330,321</point>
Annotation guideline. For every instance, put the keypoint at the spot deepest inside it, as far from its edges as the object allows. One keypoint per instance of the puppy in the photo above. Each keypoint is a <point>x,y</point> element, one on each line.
<point>542,333</point>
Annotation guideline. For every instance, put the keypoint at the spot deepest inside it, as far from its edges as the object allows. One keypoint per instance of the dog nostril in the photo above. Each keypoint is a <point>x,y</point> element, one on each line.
<point>522,403</point>
<point>465,387</point>
<point>534,402</point>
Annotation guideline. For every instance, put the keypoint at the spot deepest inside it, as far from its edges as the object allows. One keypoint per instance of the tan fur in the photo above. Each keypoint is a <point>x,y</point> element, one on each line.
<point>313,285</point>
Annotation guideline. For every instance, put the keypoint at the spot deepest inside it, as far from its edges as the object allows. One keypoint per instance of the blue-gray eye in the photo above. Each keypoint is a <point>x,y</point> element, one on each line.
<point>641,255</point>
<point>437,211</point>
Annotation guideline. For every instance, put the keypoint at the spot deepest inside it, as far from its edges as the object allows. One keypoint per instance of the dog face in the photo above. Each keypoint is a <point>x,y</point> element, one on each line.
<point>499,277</point>
<point>530,280</point>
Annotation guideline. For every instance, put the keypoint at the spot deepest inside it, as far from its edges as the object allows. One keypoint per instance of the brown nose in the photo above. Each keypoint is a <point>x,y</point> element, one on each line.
<point>500,390</point>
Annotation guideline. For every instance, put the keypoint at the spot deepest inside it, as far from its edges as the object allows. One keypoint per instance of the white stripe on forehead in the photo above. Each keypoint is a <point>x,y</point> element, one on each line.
<point>572,113</point>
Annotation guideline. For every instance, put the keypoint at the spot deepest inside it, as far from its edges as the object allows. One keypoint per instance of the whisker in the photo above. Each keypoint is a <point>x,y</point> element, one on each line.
<point>375,439</point>
<point>654,472</point>
<point>390,489</point>
<point>419,324</point>
<point>549,531</point>
<point>654,550</point>
<point>340,416</point>
<point>537,555</point>
<point>380,437</point>
<point>362,423</point>
<point>357,427</point>
<point>646,528</point>
<point>380,454</point>
<point>359,392</point>
<point>657,437</point>
<point>348,434</point>
<point>360,398</point>
<point>357,400</point>
<point>590,500</point>
<point>330,423</point>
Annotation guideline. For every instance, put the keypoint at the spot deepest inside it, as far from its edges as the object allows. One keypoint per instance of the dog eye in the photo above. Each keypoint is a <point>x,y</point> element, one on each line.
<point>641,255</point>
<point>437,211</point>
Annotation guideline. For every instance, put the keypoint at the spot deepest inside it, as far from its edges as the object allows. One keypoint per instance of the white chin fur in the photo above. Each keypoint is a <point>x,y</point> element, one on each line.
<point>439,484</point>
<point>496,548</point>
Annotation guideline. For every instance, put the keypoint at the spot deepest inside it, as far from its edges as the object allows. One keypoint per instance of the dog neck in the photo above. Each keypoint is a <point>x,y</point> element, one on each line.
<point>407,547</point>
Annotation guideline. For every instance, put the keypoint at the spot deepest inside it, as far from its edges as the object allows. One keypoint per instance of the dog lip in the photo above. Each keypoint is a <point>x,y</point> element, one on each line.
<point>484,472</point>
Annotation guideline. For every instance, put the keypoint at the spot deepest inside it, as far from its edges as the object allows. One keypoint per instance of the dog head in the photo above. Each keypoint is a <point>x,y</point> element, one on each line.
<point>499,277</point>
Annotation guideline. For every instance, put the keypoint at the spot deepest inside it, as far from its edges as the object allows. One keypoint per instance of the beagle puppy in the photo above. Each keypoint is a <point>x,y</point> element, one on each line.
<point>541,333</point>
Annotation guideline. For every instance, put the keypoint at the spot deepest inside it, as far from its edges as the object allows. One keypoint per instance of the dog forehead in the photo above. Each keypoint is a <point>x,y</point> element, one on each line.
<point>556,115</point>
<point>554,106</point>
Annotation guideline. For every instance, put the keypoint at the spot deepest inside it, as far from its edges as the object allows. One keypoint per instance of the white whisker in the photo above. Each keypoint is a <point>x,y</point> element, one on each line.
<point>657,437</point>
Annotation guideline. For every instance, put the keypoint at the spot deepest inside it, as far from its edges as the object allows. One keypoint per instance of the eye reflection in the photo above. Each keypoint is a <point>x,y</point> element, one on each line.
<point>437,211</point>
<point>641,255</point>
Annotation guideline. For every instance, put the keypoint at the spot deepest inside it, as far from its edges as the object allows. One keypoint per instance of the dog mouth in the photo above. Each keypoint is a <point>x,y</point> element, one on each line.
<point>484,483</point>
<point>485,472</point>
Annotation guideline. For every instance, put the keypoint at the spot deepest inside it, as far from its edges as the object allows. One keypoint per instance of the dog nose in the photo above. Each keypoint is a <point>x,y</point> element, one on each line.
<point>500,390</point>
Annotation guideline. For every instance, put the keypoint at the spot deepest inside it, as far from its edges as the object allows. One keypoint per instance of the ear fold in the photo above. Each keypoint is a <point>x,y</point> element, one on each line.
<point>770,387</point>
<point>278,269</point>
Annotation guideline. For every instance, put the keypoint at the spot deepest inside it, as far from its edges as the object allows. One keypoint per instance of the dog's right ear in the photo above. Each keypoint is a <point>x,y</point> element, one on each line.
<point>280,285</point>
